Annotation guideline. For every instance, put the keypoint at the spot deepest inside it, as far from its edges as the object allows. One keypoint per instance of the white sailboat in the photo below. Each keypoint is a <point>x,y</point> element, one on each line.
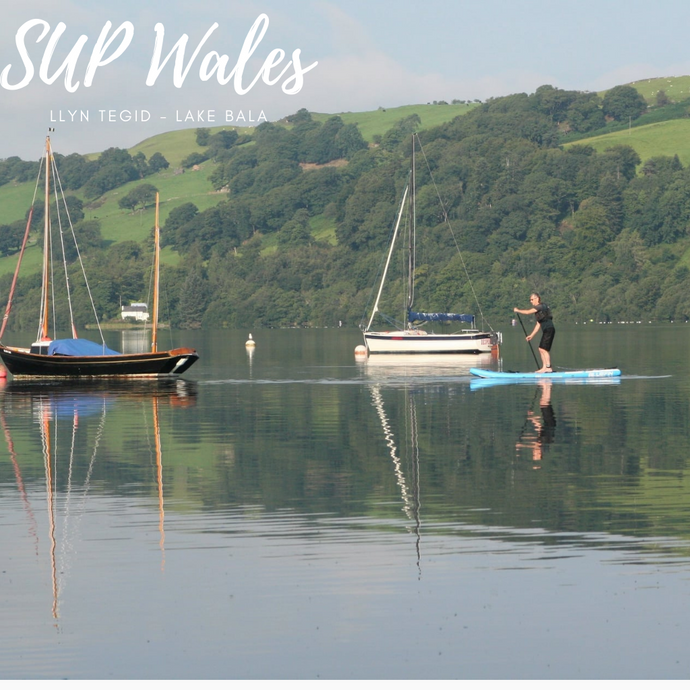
<point>412,339</point>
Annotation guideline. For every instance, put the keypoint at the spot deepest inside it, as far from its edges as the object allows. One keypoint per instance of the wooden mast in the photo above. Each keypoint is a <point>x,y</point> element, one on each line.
<point>46,245</point>
<point>156,279</point>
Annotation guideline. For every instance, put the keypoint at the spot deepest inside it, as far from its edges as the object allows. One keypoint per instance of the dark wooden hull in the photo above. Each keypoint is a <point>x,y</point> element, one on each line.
<point>21,363</point>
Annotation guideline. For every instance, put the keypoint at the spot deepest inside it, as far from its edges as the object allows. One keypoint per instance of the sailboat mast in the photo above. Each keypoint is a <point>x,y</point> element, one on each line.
<point>412,236</point>
<point>156,280</point>
<point>46,245</point>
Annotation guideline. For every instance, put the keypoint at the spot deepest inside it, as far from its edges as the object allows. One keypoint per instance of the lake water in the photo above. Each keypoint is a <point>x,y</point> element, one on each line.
<point>296,513</point>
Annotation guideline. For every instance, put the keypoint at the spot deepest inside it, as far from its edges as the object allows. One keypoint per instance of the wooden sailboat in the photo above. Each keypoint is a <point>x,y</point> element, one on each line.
<point>76,357</point>
<point>410,339</point>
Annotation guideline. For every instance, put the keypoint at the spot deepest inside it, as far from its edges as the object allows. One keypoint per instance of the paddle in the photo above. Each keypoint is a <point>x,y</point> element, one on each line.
<point>529,342</point>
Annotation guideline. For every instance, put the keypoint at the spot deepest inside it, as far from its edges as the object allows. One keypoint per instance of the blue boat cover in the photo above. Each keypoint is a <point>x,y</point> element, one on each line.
<point>78,347</point>
<point>438,316</point>
<point>80,405</point>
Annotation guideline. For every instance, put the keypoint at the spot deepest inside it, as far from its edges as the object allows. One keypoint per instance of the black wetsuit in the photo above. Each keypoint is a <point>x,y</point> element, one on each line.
<point>543,316</point>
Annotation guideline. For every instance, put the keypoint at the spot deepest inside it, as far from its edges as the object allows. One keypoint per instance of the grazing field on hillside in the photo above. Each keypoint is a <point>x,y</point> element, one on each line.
<point>175,146</point>
<point>118,225</point>
<point>660,139</point>
<point>381,120</point>
<point>676,88</point>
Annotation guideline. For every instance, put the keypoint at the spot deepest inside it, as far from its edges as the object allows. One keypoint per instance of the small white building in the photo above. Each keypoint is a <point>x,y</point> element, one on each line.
<point>137,310</point>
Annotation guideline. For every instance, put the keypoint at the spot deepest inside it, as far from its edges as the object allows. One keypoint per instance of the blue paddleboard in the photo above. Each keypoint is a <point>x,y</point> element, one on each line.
<point>523,375</point>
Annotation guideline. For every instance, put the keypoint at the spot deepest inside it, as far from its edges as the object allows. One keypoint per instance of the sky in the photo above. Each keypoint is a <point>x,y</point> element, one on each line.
<point>353,55</point>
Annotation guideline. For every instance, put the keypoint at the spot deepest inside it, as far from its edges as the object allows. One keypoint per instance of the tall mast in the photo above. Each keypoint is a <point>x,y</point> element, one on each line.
<point>156,279</point>
<point>412,234</point>
<point>46,245</point>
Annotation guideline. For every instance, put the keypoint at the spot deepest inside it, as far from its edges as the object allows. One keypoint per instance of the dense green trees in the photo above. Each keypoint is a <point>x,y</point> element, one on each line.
<point>623,102</point>
<point>603,235</point>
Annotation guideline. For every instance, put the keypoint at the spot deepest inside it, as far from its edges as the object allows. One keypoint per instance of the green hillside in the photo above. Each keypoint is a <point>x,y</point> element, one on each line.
<point>378,122</point>
<point>676,88</point>
<point>659,139</point>
<point>175,146</point>
<point>117,225</point>
<point>305,208</point>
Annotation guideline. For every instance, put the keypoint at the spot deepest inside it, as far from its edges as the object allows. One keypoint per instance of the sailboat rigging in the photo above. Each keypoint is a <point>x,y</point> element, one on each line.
<point>411,339</point>
<point>77,357</point>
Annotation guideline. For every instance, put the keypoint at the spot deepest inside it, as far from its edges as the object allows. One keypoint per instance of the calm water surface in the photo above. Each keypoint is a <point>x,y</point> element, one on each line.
<point>300,514</point>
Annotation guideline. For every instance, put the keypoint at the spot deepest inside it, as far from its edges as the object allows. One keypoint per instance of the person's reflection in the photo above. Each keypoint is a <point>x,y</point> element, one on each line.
<point>543,428</point>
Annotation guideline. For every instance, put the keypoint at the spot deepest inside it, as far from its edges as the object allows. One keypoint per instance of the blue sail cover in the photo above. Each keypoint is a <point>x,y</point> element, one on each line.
<point>79,405</point>
<point>439,316</point>
<point>78,347</point>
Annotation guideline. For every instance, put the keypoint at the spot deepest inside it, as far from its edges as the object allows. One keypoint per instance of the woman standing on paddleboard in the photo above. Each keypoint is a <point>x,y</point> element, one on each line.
<point>544,321</point>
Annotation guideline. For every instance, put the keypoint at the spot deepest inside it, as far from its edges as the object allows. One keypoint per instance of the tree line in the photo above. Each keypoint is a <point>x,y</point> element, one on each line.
<point>499,199</point>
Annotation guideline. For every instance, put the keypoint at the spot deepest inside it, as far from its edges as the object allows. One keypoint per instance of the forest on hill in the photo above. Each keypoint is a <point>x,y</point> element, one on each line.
<point>503,209</point>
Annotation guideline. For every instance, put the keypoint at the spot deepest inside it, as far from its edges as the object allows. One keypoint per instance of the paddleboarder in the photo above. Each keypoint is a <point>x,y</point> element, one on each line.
<point>544,322</point>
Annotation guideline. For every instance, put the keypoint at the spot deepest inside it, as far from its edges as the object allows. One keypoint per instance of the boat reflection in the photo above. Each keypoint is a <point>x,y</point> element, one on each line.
<point>70,443</point>
<point>135,340</point>
<point>427,367</point>
<point>176,392</point>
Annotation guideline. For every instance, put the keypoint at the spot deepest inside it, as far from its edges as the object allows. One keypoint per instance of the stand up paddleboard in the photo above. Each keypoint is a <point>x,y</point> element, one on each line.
<point>525,375</point>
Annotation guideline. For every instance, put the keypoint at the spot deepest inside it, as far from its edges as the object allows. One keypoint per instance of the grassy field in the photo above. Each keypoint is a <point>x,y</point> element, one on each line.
<point>322,229</point>
<point>119,225</point>
<point>31,263</point>
<point>15,200</point>
<point>676,88</point>
<point>175,146</point>
<point>380,121</point>
<point>660,139</point>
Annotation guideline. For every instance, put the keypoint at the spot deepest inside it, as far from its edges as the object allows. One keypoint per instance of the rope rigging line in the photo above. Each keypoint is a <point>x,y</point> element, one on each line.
<point>452,233</point>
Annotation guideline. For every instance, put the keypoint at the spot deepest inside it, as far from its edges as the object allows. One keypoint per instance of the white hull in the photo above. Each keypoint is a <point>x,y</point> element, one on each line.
<point>418,342</point>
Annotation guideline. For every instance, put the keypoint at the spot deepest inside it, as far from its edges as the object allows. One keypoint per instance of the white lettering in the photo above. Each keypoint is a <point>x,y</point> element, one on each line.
<point>70,63</point>
<point>111,44</point>
<point>102,46</point>
<point>298,76</point>
<point>179,74</point>
<point>23,53</point>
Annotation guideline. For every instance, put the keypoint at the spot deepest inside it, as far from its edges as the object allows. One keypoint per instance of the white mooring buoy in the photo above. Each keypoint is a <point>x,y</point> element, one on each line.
<point>360,351</point>
<point>250,342</point>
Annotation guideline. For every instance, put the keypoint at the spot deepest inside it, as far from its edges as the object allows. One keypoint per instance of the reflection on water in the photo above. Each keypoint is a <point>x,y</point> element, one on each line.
<point>294,513</point>
<point>408,447</point>
<point>429,366</point>
<point>539,430</point>
<point>135,340</point>
<point>71,420</point>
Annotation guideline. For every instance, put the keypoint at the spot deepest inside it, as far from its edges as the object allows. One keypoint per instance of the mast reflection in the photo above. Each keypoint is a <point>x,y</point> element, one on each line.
<point>60,410</point>
<point>410,496</point>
